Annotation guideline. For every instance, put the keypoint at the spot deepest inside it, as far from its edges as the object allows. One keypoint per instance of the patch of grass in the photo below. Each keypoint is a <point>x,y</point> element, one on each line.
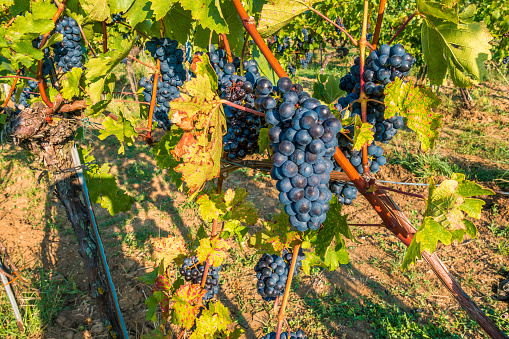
<point>37,310</point>
<point>138,239</point>
<point>425,166</point>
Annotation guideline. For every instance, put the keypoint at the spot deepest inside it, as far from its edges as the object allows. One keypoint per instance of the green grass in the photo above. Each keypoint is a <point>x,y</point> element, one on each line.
<point>37,310</point>
<point>425,166</point>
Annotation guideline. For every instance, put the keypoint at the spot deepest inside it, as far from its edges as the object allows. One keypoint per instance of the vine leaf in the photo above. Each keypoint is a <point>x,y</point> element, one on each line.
<point>451,46</point>
<point>207,13</point>
<point>235,227</point>
<point>326,89</point>
<point>200,114</point>
<point>444,218</point>
<point>160,8</point>
<point>117,6</point>
<point>163,157</point>
<point>263,140</point>
<point>417,104</point>
<point>275,236</point>
<point>178,23</point>
<point>72,88</point>
<point>122,129</point>
<point>138,12</point>
<point>215,251</point>
<point>103,187</point>
<point>363,133</point>
<point>328,242</point>
<point>215,318</point>
<point>96,9</point>
<point>187,304</point>
<point>167,249</point>
<point>277,14</point>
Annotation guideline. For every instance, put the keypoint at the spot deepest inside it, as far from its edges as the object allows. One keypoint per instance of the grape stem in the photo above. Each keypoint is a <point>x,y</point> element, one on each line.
<point>141,62</point>
<point>86,41</point>
<point>379,20</point>
<point>242,56</point>
<point>250,26</point>
<point>140,33</point>
<point>363,97</point>
<point>17,76</point>
<point>242,108</point>
<point>153,101</point>
<point>402,27</point>
<point>227,48</point>
<point>281,315</point>
<point>207,263</point>
<point>105,37</point>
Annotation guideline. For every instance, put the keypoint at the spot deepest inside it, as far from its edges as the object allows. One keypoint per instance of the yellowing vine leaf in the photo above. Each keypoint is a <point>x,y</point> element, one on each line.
<point>187,304</point>
<point>200,112</point>
<point>214,319</point>
<point>275,235</point>
<point>215,250</point>
<point>417,104</point>
<point>279,13</point>
<point>444,218</point>
<point>363,133</point>
<point>168,248</point>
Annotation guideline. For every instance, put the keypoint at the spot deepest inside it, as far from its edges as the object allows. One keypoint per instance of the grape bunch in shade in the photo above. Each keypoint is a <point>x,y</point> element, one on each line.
<point>192,270</point>
<point>382,67</point>
<point>68,52</point>
<point>285,335</point>
<point>116,18</point>
<point>172,77</point>
<point>26,94</point>
<point>272,273</point>
<point>243,128</point>
<point>47,67</point>
<point>303,138</point>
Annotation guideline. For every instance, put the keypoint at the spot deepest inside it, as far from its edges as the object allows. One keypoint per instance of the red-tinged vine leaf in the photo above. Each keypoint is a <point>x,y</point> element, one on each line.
<point>167,249</point>
<point>417,104</point>
<point>312,260</point>
<point>279,13</point>
<point>164,158</point>
<point>215,251</point>
<point>102,186</point>
<point>444,217</point>
<point>201,114</point>
<point>363,133</point>
<point>275,236</point>
<point>201,65</point>
<point>213,320</point>
<point>187,305</point>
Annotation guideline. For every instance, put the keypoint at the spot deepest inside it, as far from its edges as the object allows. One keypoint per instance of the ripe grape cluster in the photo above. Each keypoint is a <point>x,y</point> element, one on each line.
<point>68,52</point>
<point>116,18</point>
<point>506,60</point>
<point>272,273</point>
<point>243,128</point>
<point>285,335</point>
<point>192,270</point>
<point>172,77</point>
<point>383,66</point>
<point>306,59</point>
<point>303,138</point>
<point>26,94</point>
<point>47,67</point>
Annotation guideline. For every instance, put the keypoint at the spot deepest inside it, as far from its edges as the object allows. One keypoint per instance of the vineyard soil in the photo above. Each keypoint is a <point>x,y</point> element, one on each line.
<point>368,298</point>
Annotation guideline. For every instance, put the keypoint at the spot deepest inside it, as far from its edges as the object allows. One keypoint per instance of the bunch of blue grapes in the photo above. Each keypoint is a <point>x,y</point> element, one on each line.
<point>47,67</point>
<point>116,18</point>
<point>173,75</point>
<point>285,335</point>
<point>243,128</point>
<point>68,52</point>
<point>272,273</point>
<point>505,60</point>
<point>306,34</point>
<point>291,69</point>
<point>382,67</point>
<point>303,138</point>
<point>339,22</point>
<point>192,270</point>
<point>26,94</point>
<point>306,59</point>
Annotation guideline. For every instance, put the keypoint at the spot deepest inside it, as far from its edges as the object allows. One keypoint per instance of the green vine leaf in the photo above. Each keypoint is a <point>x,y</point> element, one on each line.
<point>103,188</point>
<point>207,13</point>
<point>453,47</point>
<point>178,23</point>
<point>160,8</point>
<point>263,140</point>
<point>275,235</point>
<point>138,12</point>
<point>97,10</point>
<point>326,89</point>
<point>235,227</point>
<point>200,114</point>
<point>363,133</point>
<point>187,304</point>
<point>417,104</point>
<point>72,88</point>
<point>444,219</point>
<point>279,13</point>
<point>215,251</point>
<point>214,319</point>
<point>122,129</point>
<point>117,6</point>
<point>211,209</point>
